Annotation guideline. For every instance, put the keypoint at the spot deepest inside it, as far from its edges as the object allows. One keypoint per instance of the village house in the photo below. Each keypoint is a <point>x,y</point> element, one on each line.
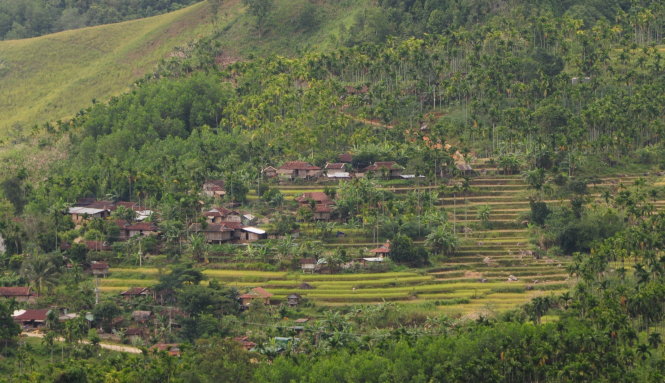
<point>298,170</point>
<point>252,234</point>
<point>386,169</point>
<point>141,229</point>
<point>122,233</point>
<point>141,212</point>
<point>269,172</point>
<point>141,316</point>
<point>99,269</point>
<point>256,294</point>
<point>215,233</point>
<point>31,318</point>
<point>86,209</point>
<point>20,294</point>
<point>248,219</point>
<point>346,158</point>
<point>97,245</point>
<point>172,349</point>
<point>293,300</point>
<point>337,170</point>
<point>89,208</point>
<point>245,342</point>
<point>378,254</point>
<point>221,214</point>
<point>67,316</point>
<point>308,265</point>
<point>322,205</point>
<point>464,168</point>
<point>214,188</point>
<point>319,198</point>
<point>322,213</point>
<point>381,251</point>
<point>136,292</point>
<point>136,334</point>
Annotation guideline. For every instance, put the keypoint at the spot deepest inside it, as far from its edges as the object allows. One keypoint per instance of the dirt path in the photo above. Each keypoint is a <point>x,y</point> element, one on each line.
<point>367,122</point>
<point>106,346</point>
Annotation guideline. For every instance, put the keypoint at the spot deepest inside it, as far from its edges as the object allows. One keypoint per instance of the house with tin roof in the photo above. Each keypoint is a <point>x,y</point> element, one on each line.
<point>298,170</point>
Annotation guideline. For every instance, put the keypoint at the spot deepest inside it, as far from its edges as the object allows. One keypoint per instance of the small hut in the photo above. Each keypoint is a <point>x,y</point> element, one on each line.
<point>293,300</point>
<point>257,293</point>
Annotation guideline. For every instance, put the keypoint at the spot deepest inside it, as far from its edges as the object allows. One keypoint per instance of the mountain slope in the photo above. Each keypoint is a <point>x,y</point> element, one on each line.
<point>53,76</point>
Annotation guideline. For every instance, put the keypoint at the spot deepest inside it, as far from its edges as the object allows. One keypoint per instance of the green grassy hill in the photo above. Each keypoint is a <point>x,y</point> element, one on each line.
<point>54,76</point>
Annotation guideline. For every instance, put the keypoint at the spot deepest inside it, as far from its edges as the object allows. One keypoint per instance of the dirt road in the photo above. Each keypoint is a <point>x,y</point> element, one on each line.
<point>106,346</point>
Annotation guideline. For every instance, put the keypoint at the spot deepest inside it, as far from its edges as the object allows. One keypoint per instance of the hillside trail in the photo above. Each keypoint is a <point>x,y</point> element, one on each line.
<point>366,121</point>
<point>106,346</point>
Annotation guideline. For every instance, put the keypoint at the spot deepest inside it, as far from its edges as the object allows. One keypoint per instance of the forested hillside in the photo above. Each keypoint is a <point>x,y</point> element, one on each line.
<point>343,191</point>
<point>21,19</point>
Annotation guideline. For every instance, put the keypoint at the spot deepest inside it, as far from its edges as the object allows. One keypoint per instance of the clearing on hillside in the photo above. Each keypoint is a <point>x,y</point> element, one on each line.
<point>54,76</point>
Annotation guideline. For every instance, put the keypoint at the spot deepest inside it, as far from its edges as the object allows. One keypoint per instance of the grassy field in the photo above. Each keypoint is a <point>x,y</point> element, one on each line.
<point>54,76</point>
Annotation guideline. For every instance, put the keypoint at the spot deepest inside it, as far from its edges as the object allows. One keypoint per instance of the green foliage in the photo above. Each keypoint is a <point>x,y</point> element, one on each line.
<point>403,250</point>
<point>197,300</point>
<point>219,360</point>
<point>544,353</point>
<point>9,329</point>
<point>442,240</point>
<point>260,10</point>
<point>105,312</point>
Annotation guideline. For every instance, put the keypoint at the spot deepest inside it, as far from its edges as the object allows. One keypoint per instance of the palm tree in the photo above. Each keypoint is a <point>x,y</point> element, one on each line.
<point>643,351</point>
<point>284,247</point>
<point>57,214</point>
<point>40,271</point>
<point>198,247</point>
<point>535,178</point>
<point>442,240</point>
<point>484,214</point>
<point>655,340</point>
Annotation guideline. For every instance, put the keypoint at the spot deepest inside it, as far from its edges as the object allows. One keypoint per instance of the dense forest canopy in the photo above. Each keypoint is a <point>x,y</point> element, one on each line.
<point>21,19</point>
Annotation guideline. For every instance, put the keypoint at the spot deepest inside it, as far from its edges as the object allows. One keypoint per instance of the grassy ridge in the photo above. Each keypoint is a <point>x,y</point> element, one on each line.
<point>54,76</point>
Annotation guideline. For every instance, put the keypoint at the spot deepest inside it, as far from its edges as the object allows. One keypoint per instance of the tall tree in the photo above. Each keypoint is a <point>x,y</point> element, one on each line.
<point>260,10</point>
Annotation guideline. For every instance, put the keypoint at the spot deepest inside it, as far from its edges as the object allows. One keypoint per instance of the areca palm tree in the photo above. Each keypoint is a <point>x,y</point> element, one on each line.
<point>442,240</point>
<point>484,214</point>
<point>40,271</point>
<point>284,247</point>
<point>655,340</point>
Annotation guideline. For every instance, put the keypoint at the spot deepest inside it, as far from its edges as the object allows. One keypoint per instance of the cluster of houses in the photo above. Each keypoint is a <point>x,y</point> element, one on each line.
<point>294,170</point>
<point>224,225</point>
<point>320,203</point>
<point>87,208</point>
<point>343,169</point>
<point>90,208</point>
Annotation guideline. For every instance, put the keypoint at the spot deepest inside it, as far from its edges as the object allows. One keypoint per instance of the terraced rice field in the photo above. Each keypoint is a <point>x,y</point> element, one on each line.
<point>357,288</point>
<point>474,281</point>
